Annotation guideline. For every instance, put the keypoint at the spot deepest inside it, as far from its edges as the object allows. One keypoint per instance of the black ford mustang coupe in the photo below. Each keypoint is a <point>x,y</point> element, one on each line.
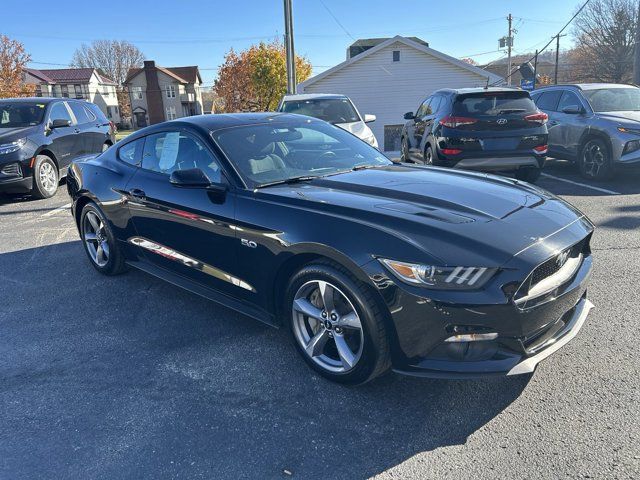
<point>371,265</point>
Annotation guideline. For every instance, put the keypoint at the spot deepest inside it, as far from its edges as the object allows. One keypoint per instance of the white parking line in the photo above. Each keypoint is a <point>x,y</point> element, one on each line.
<point>57,210</point>
<point>598,189</point>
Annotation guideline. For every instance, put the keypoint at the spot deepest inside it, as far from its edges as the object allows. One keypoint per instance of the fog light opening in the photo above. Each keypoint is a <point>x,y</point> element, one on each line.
<point>472,337</point>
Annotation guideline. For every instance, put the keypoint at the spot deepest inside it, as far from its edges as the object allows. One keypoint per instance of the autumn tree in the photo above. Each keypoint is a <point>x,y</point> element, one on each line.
<point>255,79</point>
<point>113,58</point>
<point>604,36</point>
<point>13,61</point>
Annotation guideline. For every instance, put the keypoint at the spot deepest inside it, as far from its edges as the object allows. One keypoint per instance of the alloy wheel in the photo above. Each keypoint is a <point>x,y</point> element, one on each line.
<point>48,177</point>
<point>95,238</point>
<point>594,159</point>
<point>327,326</point>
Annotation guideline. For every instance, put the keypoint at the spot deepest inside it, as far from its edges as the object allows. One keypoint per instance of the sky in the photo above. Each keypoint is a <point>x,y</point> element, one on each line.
<point>189,32</point>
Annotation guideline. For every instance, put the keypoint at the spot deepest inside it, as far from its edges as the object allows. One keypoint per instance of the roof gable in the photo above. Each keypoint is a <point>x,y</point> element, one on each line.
<point>189,74</point>
<point>493,78</point>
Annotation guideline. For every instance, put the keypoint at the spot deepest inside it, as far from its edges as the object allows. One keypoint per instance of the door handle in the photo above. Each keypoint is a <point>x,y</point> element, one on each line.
<point>137,193</point>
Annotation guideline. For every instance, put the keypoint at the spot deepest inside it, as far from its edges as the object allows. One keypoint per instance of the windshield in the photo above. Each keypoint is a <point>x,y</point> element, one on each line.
<point>16,115</point>
<point>334,110</point>
<point>613,99</point>
<point>493,103</point>
<point>264,154</point>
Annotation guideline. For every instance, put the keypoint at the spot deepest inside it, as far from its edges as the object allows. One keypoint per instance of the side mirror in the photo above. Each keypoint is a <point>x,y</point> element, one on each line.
<point>409,116</point>
<point>191,178</point>
<point>573,109</point>
<point>59,123</point>
<point>368,118</point>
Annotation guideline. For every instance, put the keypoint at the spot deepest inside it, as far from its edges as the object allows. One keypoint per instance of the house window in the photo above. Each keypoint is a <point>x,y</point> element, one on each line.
<point>108,111</point>
<point>78,90</point>
<point>171,91</point>
<point>65,91</point>
<point>105,90</point>
<point>136,93</point>
<point>57,91</point>
<point>171,113</point>
<point>38,91</point>
<point>392,134</point>
<point>396,55</point>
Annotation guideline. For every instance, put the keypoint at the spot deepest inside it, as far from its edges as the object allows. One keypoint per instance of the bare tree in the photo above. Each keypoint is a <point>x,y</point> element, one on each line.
<point>13,61</point>
<point>604,34</point>
<point>113,58</point>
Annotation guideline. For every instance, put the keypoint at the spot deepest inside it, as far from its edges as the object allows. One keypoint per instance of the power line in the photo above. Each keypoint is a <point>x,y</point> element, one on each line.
<point>337,21</point>
<point>550,41</point>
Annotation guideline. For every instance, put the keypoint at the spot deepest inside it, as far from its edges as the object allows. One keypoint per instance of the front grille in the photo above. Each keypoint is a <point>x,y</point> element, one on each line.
<point>12,170</point>
<point>532,292</point>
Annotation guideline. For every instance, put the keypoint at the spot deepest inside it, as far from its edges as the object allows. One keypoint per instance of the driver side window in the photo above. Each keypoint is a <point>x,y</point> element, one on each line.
<point>170,151</point>
<point>424,109</point>
<point>59,112</point>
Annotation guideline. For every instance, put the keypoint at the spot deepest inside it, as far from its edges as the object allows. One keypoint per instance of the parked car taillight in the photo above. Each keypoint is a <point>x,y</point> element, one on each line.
<point>541,148</point>
<point>540,118</point>
<point>455,122</point>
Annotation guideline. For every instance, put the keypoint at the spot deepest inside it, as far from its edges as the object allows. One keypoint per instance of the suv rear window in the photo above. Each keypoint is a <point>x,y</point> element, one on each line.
<point>493,103</point>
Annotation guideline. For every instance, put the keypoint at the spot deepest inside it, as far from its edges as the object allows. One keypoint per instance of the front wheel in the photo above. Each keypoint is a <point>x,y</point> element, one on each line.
<point>404,157</point>
<point>99,242</point>
<point>45,177</point>
<point>336,325</point>
<point>595,160</point>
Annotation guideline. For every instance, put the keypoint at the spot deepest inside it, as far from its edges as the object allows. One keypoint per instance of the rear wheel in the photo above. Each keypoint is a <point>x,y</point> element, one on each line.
<point>595,160</point>
<point>45,177</point>
<point>336,324</point>
<point>99,242</point>
<point>529,174</point>
<point>404,150</point>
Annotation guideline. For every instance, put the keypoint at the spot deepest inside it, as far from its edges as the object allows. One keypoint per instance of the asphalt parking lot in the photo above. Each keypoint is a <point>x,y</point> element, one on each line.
<point>129,377</point>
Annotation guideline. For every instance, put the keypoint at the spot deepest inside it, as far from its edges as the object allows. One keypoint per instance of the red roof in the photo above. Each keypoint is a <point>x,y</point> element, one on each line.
<point>71,75</point>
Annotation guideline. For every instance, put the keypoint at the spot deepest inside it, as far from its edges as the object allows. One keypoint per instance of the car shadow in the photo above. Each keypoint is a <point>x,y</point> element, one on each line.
<point>131,377</point>
<point>625,183</point>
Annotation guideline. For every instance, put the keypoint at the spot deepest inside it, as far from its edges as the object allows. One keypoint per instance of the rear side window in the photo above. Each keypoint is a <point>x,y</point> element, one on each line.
<point>97,112</point>
<point>549,100</point>
<point>493,103</point>
<point>80,113</point>
<point>131,152</point>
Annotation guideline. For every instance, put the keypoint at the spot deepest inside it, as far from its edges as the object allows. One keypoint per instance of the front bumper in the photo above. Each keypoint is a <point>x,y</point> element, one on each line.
<point>16,185</point>
<point>505,362</point>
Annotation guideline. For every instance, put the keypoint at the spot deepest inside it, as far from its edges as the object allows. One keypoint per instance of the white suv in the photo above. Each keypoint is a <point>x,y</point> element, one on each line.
<point>336,109</point>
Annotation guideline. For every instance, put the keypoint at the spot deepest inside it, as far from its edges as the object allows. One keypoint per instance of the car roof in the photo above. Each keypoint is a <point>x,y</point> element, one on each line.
<point>44,100</point>
<point>218,121</point>
<point>313,96</point>
<point>586,86</point>
<point>465,91</point>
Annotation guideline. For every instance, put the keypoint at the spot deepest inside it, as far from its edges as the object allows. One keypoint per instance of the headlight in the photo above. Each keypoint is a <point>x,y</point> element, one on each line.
<point>13,146</point>
<point>441,278</point>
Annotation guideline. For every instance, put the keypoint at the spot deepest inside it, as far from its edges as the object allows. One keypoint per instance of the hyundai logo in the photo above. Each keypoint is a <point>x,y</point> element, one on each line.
<point>501,121</point>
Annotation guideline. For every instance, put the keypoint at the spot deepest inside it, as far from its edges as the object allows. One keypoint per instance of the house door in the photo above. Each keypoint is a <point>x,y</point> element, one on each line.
<point>141,119</point>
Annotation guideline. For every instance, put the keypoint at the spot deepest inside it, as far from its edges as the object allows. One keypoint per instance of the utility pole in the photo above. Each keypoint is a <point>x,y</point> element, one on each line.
<point>535,70</point>
<point>636,51</point>
<point>288,42</point>
<point>555,74</point>
<point>509,45</point>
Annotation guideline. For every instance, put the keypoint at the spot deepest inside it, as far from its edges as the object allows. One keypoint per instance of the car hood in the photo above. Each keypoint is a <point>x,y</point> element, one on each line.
<point>12,134</point>
<point>453,216</point>
<point>359,129</point>
<point>621,116</point>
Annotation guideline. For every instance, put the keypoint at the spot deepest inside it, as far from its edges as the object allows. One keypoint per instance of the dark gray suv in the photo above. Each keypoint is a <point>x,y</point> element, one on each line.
<point>597,125</point>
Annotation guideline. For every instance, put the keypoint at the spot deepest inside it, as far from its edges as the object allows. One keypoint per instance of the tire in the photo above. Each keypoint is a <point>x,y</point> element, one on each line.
<point>594,161</point>
<point>111,260</point>
<point>359,324</point>
<point>404,157</point>
<point>428,155</point>
<point>529,174</point>
<point>45,177</point>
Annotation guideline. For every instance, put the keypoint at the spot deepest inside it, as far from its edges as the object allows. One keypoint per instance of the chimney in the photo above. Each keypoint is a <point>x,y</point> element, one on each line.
<point>154,95</point>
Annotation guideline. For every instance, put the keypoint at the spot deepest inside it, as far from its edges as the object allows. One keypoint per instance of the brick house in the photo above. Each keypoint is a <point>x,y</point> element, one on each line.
<point>158,94</point>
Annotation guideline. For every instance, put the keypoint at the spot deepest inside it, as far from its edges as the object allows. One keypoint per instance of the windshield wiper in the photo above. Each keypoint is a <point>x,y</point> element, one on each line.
<point>301,178</point>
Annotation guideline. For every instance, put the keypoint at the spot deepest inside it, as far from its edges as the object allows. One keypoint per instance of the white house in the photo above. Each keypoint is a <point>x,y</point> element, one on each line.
<point>81,83</point>
<point>389,77</point>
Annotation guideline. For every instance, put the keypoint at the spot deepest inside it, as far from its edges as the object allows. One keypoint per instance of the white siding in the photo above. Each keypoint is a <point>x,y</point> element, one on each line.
<point>388,89</point>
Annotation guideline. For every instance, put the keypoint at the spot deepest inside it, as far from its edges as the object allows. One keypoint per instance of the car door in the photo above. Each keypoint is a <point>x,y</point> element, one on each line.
<point>548,103</point>
<point>83,123</point>
<point>187,231</point>
<point>63,141</point>
<point>422,115</point>
<point>571,123</point>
